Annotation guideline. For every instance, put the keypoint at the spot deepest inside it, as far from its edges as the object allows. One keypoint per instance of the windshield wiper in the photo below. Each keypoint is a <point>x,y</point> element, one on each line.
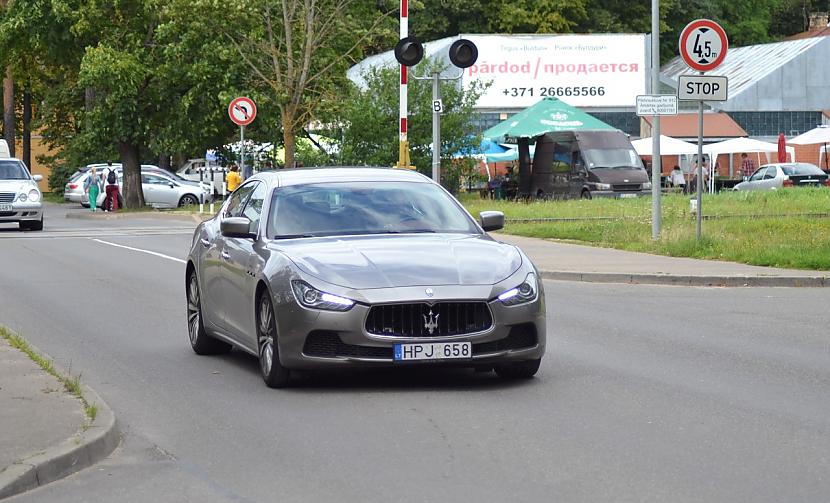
<point>408,231</point>
<point>294,236</point>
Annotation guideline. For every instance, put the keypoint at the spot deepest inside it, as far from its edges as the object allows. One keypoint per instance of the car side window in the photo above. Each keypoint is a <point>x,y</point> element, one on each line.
<point>253,207</point>
<point>770,174</point>
<point>237,201</point>
<point>758,174</point>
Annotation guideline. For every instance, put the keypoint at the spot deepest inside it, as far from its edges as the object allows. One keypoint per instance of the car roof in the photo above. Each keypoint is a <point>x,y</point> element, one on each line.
<point>299,176</point>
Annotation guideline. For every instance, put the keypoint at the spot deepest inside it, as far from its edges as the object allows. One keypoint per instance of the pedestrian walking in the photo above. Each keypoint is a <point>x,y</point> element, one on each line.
<point>233,179</point>
<point>92,186</point>
<point>111,188</point>
<point>747,166</point>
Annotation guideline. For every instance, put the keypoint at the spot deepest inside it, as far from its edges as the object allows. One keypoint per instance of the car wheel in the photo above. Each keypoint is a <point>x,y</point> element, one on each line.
<point>36,226</point>
<point>273,373</point>
<point>518,370</point>
<point>188,200</point>
<point>586,194</point>
<point>200,341</point>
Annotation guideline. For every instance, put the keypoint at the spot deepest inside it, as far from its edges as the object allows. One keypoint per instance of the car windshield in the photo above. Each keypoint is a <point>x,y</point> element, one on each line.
<point>611,158</point>
<point>13,170</point>
<point>348,208</point>
<point>801,169</point>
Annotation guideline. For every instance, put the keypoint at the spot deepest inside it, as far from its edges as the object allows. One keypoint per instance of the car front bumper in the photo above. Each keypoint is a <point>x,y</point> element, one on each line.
<point>21,212</point>
<point>316,339</point>
<point>620,195</point>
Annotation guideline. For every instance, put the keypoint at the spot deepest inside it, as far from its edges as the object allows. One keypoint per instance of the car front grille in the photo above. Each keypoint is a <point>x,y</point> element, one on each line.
<point>627,187</point>
<point>7,213</point>
<point>441,319</point>
<point>327,344</point>
<point>6,197</point>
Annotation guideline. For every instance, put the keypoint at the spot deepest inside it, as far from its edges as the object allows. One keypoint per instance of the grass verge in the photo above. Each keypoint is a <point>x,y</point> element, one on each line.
<point>53,197</point>
<point>758,228</point>
<point>72,384</point>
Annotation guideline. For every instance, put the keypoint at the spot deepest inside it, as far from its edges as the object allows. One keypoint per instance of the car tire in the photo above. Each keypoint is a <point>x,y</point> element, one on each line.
<point>188,200</point>
<point>273,373</point>
<point>200,341</point>
<point>586,194</point>
<point>518,370</point>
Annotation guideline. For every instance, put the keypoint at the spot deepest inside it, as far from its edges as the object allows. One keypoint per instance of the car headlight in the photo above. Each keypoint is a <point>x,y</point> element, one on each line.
<point>34,196</point>
<point>22,197</point>
<point>647,186</point>
<point>309,296</point>
<point>603,186</point>
<point>526,292</point>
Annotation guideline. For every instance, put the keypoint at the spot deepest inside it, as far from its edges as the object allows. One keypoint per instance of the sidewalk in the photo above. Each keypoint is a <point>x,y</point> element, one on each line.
<point>605,265</point>
<point>44,432</point>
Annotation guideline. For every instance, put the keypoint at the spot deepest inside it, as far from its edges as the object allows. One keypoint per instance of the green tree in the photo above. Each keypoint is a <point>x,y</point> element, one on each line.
<point>370,119</point>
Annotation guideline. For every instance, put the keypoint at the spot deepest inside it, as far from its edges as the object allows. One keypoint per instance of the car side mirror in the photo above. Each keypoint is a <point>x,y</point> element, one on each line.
<point>171,185</point>
<point>37,178</point>
<point>491,220</point>
<point>237,227</point>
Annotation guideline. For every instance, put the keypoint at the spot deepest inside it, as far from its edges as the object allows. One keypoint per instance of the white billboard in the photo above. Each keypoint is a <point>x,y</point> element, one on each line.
<point>581,70</point>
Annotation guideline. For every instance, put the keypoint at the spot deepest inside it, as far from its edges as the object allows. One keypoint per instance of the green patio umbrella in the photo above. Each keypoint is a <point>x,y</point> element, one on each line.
<point>549,114</point>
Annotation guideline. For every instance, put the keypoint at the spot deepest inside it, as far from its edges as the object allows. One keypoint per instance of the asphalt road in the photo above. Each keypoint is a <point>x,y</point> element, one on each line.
<point>646,393</point>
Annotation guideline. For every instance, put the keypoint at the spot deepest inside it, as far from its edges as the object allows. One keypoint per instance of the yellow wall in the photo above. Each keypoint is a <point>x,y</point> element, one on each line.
<point>38,149</point>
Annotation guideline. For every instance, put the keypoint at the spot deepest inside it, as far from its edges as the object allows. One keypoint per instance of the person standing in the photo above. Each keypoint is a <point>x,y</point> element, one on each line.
<point>111,188</point>
<point>747,166</point>
<point>92,186</point>
<point>678,181</point>
<point>233,179</point>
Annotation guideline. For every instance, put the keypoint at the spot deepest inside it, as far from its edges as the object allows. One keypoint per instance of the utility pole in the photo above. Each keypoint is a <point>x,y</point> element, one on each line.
<point>656,165</point>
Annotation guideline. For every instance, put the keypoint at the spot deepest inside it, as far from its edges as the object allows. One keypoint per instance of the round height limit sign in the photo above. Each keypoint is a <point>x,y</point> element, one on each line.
<point>242,111</point>
<point>703,45</point>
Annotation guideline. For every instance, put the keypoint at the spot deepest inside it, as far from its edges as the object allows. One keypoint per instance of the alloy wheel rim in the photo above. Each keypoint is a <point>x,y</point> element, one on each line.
<point>193,309</point>
<point>266,337</point>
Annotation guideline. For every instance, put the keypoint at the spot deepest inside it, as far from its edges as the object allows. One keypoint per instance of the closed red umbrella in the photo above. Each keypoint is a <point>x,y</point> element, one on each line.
<point>782,148</point>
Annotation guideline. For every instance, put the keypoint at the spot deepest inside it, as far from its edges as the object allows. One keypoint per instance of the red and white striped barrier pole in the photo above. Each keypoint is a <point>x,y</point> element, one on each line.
<point>403,157</point>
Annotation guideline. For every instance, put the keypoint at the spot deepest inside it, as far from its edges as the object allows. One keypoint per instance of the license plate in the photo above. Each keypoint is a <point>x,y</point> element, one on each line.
<point>433,351</point>
<point>627,195</point>
<point>5,207</point>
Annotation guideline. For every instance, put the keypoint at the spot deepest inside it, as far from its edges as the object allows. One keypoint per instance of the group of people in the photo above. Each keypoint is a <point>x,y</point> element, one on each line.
<point>679,180</point>
<point>108,180</point>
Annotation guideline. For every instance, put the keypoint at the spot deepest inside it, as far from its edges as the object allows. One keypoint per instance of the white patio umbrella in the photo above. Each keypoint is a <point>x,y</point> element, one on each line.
<point>668,146</point>
<point>818,135</point>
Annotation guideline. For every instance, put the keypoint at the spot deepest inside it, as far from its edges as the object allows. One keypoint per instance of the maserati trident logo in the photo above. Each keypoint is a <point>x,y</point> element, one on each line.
<point>429,292</point>
<point>431,321</point>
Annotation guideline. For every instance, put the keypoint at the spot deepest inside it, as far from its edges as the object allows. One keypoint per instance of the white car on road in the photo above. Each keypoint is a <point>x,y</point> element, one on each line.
<point>20,197</point>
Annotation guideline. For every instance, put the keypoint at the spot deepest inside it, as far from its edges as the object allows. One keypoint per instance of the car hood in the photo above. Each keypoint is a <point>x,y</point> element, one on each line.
<point>391,261</point>
<point>17,186</point>
<point>618,175</point>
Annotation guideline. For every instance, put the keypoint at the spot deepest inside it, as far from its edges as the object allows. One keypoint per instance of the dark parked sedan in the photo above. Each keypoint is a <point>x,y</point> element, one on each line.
<point>339,267</point>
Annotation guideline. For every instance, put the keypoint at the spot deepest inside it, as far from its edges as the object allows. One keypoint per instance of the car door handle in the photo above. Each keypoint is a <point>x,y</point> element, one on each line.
<point>205,242</point>
<point>226,255</point>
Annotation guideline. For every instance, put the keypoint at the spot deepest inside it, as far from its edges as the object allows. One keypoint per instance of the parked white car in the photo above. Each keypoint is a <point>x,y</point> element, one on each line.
<point>192,170</point>
<point>779,176</point>
<point>20,197</point>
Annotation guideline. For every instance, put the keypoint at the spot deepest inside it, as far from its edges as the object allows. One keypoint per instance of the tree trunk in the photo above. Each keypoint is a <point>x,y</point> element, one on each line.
<point>89,99</point>
<point>27,129</point>
<point>133,194</point>
<point>288,137</point>
<point>164,162</point>
<point>8,110</point>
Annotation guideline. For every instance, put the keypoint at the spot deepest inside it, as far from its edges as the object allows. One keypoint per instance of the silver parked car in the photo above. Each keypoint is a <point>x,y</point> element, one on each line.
<point>336,267</point>
<point>163,189</point>
<point>20,197</point>
<point>779,176</point>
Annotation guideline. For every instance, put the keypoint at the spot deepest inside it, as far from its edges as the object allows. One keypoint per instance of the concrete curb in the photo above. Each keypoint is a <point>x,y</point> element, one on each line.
<point>672,280</point>
<point>187,217</point>
<point>73,454</point>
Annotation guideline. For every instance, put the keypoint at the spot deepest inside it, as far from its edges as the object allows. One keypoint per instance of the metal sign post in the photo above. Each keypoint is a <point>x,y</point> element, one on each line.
<point>656,160</point>
<point>436,128</point>
<point>703,46</point>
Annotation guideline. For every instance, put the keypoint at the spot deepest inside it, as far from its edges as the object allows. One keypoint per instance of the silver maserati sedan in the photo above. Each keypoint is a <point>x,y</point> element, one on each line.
<point>338,267</point>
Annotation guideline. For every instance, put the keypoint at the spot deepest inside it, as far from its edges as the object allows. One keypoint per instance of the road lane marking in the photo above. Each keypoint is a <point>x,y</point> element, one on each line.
<point>157,254</point>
